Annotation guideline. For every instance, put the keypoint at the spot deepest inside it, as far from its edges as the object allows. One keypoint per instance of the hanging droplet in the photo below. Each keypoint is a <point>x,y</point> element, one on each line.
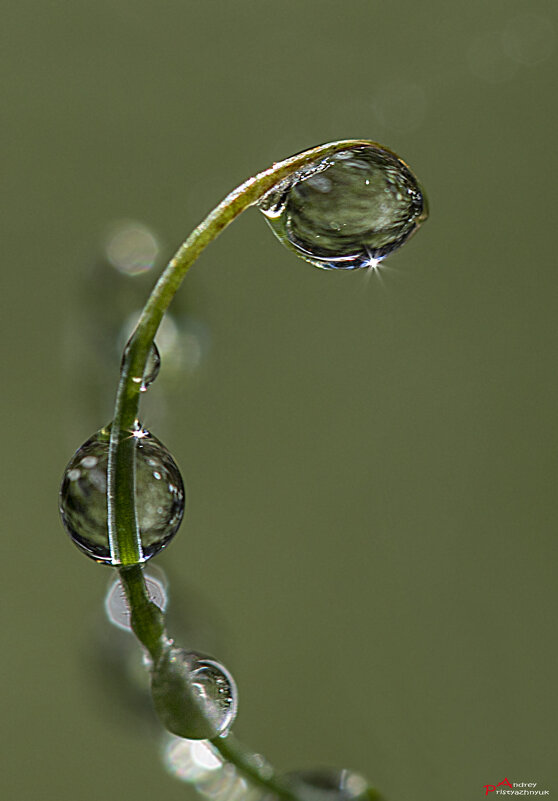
<point>151,371</point>
<point>160,495</point>
<point>195,697</point>
<point>349,210</point>
<point>328,785</point>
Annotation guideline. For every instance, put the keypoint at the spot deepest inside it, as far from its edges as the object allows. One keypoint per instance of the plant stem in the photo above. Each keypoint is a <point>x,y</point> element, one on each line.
<point>122,522</point>
<point>126,552</point>
<point>246,762</point>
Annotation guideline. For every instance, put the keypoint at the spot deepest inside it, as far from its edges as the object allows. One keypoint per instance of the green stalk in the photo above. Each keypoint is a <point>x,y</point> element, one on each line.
<point>147,619</point>
<point>122,523</point>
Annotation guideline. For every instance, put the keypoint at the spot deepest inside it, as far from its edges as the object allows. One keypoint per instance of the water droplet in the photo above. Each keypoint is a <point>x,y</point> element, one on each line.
<point>199,764</point>
<point>116,603</point>
<point>83,502</point>
<point>349,210</point>
<point>131,248</point>
<point>195,696</point>
<point>152,367</point>
<point>217,691</point>
<point>327,785</point>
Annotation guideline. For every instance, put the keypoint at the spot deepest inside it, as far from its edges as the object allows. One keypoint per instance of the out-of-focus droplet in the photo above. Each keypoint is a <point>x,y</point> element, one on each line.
<point>195,697</point>
<point>326,785</point>
<point>152,367</point>
<point>487,59</point>
<point>196,762</point>
<point>349,210</point>
<point>160,495</point>
<point>528,38</point>
<point>190,760</point>
<point>131,248</point>
<point>116,603</point>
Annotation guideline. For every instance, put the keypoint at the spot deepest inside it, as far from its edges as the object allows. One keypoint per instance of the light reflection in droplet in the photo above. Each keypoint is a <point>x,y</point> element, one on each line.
<point>131,248</point>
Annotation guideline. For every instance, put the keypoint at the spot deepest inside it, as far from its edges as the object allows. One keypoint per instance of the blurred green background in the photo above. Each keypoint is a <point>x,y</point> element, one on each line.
<point>370,543</point>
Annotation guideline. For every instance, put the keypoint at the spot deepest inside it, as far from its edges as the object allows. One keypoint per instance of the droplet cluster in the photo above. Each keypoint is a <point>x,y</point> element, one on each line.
<point>349,210</point>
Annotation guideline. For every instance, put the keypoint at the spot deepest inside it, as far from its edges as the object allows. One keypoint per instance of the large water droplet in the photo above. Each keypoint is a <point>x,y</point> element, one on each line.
<point>160,495</point>
<point>327,785</point>
<point>195,696</point>
<point>151,371</point>
<point>349,210</point>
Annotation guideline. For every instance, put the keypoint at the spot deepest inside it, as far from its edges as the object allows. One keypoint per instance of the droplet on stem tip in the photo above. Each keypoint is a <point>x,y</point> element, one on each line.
<point>349,210</point>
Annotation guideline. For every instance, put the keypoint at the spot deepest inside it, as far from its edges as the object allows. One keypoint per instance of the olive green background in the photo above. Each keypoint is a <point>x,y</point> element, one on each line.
<point>371,461</point>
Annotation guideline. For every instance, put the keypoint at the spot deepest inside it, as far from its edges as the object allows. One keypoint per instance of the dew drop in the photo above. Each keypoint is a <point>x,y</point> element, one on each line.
<point>199,764</point>
<point>159,501</point>
<point>216,690</point>
<point>152,367</point>
<point>349,210</point>
<point>195,696</point>
<point>116,603</point>
<point>131,248</point>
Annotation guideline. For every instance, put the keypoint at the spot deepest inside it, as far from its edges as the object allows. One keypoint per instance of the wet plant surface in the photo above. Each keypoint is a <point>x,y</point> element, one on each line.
<point>369,455</point>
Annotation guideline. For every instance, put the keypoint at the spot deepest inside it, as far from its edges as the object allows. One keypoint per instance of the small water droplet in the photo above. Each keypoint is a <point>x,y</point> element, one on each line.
<point>195,696</point>
<point>151,371</point>
<point>116,603</point>
<point>349,210</point>
<point>152,367</point>
<point>83,502</point>
<point>217,691</point>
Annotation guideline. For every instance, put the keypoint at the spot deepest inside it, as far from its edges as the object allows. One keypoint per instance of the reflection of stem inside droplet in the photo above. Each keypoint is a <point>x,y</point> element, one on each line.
<point>360,206</point>
<point>159,501</point>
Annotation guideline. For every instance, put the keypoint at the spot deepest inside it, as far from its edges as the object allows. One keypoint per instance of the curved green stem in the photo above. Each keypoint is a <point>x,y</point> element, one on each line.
<point>122,523</point>
<point>244,761</point>
<point>126,551</point>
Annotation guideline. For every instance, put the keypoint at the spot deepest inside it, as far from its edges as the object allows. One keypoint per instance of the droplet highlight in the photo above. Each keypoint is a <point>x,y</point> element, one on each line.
<point>194,695</point>
<point>349,210</point>
<point>159,501</point>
